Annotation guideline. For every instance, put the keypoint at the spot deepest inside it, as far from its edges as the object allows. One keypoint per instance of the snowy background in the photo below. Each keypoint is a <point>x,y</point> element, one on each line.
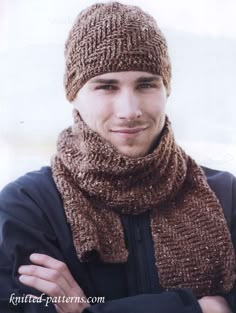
<point>33,109</point>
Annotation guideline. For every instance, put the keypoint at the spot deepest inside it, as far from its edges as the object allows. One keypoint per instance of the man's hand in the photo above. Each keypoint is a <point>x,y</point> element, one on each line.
<point>53,278</point>
<point>214,304</point>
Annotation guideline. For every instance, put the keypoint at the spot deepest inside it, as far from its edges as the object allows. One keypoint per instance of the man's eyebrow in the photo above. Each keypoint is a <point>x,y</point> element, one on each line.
<point>148,79</point>
<point>142,79</point>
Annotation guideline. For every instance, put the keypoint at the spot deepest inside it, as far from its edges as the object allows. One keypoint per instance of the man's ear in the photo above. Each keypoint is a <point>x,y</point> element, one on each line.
<point>168,90</point>
<point>75,105</point>
<point>75,102</point>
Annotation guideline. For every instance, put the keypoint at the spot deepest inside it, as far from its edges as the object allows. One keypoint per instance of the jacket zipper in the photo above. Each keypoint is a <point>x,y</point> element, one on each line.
<point>142,262</point>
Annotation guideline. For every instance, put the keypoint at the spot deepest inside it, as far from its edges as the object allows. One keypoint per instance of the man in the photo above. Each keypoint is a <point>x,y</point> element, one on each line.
<point>123,212</point>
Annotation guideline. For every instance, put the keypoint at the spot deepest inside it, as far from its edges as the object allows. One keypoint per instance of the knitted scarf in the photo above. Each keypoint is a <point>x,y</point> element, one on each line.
<point>191,240</point>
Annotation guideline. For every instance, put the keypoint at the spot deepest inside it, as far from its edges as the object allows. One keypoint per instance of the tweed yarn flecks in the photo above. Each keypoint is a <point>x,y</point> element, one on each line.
<point>113,37</point>
<point>192,243</point>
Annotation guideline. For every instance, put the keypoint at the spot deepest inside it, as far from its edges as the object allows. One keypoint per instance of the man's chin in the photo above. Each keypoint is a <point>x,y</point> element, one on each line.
<point>132,152</point>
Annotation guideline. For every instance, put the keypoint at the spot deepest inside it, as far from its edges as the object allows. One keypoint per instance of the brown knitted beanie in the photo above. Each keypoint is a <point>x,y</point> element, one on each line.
<point>113,37</point>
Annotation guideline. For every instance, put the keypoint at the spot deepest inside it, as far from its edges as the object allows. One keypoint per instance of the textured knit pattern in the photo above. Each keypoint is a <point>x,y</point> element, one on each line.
<point>113,37</point>
<point>192,243</point>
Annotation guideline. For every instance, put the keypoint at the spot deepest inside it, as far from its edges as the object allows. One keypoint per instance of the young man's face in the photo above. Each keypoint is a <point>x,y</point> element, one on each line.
<point>125,108</point>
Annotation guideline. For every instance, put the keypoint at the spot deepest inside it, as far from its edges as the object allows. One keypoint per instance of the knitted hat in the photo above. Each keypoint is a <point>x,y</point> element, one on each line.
<point>113,37</point>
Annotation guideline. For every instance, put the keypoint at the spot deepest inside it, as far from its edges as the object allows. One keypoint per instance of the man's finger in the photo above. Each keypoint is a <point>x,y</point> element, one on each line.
<point>47,274</point>
<point>47,287</point>
<point>49,262</point>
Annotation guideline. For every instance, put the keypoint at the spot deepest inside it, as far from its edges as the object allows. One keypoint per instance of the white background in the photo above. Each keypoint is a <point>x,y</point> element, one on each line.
<point>33,109</point>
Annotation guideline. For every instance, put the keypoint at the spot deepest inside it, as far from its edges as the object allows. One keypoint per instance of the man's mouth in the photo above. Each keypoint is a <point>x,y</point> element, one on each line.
<point>129,132</point>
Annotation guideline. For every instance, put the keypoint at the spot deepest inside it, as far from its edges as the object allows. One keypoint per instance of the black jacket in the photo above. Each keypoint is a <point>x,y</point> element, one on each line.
<point>32,219</point>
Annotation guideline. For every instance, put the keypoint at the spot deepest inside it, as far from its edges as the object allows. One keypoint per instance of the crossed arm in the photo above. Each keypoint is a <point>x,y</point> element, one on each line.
<point>53,278</point>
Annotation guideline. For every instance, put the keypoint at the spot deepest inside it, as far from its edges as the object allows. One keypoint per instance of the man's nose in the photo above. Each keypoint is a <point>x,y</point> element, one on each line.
<point>128,106</point>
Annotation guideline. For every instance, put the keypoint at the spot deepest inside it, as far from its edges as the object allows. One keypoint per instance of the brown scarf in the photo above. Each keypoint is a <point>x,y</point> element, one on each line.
<point>191,240</point>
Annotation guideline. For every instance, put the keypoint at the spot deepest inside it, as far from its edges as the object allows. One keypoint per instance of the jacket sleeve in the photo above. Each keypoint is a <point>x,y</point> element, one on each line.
<point>23,230</point>
<point>179,301</point>
<point>224,186</point>
<point>231,297</point>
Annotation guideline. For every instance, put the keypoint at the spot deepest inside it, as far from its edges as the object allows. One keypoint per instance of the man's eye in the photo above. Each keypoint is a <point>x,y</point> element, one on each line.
<point>106,87</point>
<point>146,86</point>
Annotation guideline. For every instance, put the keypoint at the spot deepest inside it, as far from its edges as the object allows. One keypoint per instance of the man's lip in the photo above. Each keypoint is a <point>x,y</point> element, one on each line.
<point>129,130</point>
